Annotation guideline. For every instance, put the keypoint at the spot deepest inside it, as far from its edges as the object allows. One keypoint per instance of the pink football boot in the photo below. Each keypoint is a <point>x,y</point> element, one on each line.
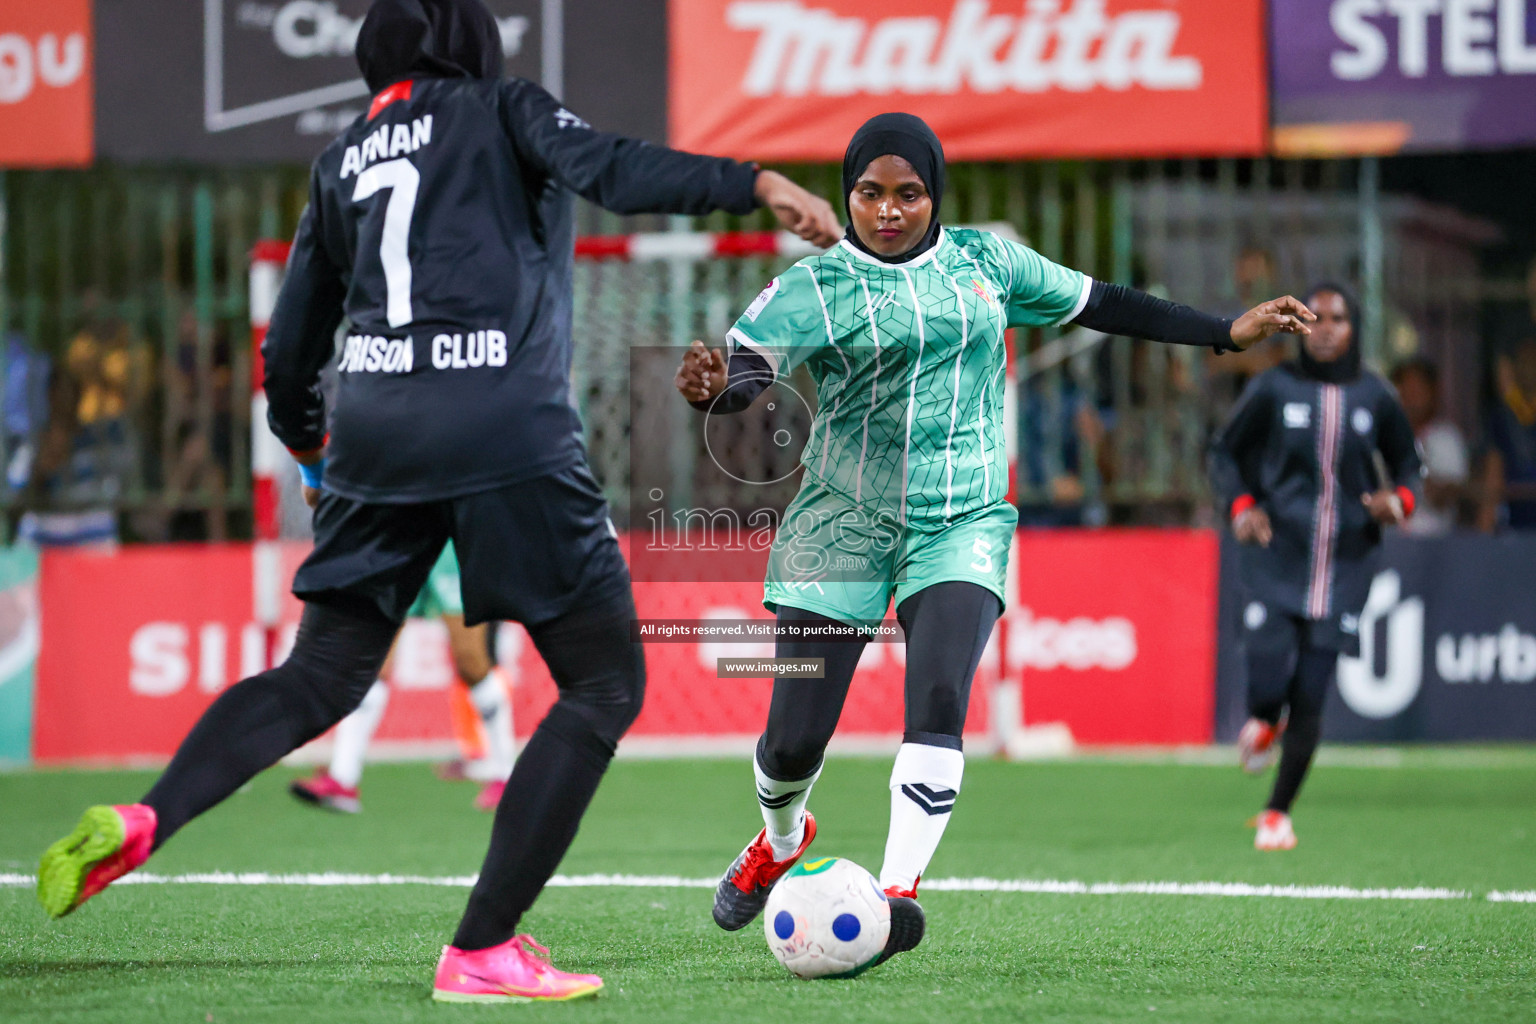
<point>108,843</point>
<point>517,971</point>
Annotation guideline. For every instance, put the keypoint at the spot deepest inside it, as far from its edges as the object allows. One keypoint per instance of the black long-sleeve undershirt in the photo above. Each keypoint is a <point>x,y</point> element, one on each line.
<point>1110,309</point>
<point>1116,309</point>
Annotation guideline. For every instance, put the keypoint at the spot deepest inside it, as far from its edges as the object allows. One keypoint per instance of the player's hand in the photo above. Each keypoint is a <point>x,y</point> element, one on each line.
<point>307,461</point>
<point>1283,315</point>
<point>1386,507</point>
<point>1252,527</point>
<point>702,375</point>
<point>809,216</point>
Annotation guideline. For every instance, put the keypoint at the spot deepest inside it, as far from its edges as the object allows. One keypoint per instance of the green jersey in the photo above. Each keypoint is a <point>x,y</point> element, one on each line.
<point>908,360</point>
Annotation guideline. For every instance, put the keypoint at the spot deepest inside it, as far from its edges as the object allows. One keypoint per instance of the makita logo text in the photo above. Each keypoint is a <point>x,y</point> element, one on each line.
<point>1053,44</point>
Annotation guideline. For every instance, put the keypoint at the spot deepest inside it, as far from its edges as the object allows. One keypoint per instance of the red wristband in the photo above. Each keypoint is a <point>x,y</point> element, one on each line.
<point>1406,497</point>
<point>302,455</point>
<point>1243,504</point>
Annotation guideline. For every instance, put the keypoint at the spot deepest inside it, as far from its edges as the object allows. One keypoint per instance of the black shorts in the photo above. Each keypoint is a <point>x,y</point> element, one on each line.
<point>528,552</point>
<point>1269,631</point>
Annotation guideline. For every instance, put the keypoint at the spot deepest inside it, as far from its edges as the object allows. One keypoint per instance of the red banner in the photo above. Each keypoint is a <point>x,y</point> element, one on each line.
<point>1114,633</point>
<point>45,84</point>
<point>138,643</point>
<point>793,79</point>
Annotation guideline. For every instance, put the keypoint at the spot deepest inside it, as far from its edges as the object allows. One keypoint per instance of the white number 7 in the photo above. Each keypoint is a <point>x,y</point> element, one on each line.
<point>401,178</point>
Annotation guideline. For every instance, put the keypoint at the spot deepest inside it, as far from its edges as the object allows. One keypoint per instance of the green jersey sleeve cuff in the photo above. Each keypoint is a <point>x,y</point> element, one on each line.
<point>1080,305</point>
<point>739,339</point>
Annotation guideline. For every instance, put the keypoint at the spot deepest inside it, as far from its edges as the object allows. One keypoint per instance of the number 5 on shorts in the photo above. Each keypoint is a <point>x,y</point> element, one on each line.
<point>982,549</point>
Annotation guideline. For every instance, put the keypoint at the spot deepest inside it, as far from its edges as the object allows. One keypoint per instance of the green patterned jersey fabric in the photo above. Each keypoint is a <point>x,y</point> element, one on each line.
<point>908,360</point>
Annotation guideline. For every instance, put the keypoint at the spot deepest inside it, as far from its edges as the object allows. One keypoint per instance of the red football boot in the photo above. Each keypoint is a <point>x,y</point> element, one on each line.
<point>743,892</point>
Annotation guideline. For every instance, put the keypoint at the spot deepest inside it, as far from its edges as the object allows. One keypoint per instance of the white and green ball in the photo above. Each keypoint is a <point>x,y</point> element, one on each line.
<point>827,918</point>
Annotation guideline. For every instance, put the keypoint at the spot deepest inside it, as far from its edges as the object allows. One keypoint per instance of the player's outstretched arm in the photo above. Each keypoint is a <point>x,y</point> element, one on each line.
<point>809,216</point>
<point>1116,309</point>
<point>631,176</point>
<point>1285,315</point>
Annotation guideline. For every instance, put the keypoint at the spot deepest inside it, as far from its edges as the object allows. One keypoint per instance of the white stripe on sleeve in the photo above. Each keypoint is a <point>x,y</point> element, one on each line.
<point>742,341</point>
<point>1082,302</point>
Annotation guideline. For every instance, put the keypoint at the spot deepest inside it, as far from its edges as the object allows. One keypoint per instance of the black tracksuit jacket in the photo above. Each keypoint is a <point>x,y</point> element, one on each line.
<point>440,223</point>
<point>1302,450</point>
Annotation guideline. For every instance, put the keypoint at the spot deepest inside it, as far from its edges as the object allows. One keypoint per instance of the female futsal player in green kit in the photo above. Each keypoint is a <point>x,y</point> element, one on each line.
<point>901,327</point>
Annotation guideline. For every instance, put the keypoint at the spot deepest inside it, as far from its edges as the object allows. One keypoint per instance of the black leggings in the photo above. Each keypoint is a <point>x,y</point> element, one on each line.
<point>336,658</point>
<point>1286,671</point>
<point>946,626</point>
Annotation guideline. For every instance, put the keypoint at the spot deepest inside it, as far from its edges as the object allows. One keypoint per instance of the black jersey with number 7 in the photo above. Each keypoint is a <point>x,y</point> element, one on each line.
<point>440,225</point>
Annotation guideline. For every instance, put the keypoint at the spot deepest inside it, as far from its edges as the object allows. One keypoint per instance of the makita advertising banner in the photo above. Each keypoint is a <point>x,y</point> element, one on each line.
<point>997,79</point>
<point>1448,646</point>
<point>45,84</point>
<point>1383,76</point>
<point>273,81</point>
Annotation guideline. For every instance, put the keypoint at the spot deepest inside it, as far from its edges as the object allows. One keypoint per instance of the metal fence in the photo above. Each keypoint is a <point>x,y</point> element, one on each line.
<point>134,281</point>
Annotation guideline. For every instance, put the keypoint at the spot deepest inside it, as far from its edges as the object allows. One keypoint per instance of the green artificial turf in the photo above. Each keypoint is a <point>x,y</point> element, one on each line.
<point>1462,820</point>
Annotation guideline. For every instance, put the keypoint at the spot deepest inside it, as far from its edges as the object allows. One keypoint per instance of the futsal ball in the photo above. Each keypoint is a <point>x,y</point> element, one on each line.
<point>827,918</point>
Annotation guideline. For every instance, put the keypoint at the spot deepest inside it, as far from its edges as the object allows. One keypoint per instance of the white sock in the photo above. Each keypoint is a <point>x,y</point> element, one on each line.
<point>924,783</point>
<point>355,732</point>
<point>492,701</point>
<point>783,805</point>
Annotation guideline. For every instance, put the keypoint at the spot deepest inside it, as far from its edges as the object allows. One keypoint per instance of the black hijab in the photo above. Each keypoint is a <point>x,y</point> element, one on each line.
<point>403,39</point>
<point>908,137</point>
<point>1347,367</point>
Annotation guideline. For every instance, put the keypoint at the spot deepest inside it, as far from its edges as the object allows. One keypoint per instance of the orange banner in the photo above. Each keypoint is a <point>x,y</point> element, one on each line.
<point>793,79</point>
<point>45,84</point>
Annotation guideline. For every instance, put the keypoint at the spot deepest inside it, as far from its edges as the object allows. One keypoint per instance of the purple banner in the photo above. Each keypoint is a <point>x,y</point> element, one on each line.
<point>1382,76</point>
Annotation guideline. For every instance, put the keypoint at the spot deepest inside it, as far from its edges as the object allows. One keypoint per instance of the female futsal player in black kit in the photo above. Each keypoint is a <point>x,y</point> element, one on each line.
<point>1317,457</point>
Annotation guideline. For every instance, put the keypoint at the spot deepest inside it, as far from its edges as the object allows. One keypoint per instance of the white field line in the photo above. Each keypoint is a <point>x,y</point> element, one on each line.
<point>1039,886</point>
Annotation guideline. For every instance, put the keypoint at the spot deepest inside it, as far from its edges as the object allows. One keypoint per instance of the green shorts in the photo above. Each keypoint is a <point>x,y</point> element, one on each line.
<point>847,562</point>
<point>441,594</point>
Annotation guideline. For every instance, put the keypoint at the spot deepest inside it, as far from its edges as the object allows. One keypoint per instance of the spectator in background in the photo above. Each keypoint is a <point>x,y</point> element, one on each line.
<point>199,406</point>
<point>88,451</point>
<point>1156,420</point>
<point>1509,483</point>
<point>23,408</point>
<point>1441,447</point>
<point>1060,431</point>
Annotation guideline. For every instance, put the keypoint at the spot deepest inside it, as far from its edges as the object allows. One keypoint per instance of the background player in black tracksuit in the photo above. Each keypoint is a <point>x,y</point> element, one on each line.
<point>440,224</point>
<point>1317,457</point>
